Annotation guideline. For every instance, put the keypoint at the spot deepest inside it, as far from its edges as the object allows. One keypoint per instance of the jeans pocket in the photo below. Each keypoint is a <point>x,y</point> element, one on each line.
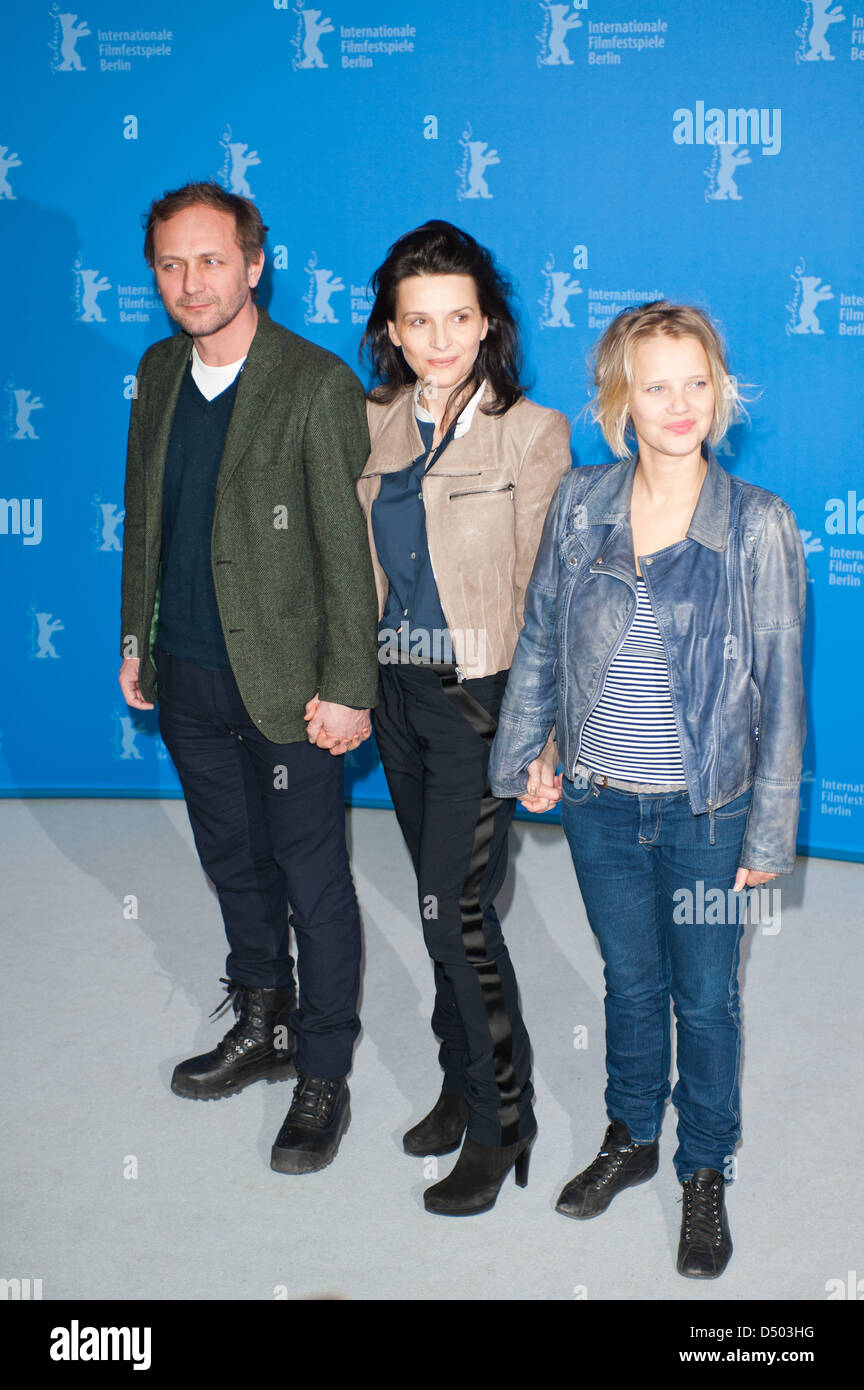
<point>739,806</point>
<point>575,793</point>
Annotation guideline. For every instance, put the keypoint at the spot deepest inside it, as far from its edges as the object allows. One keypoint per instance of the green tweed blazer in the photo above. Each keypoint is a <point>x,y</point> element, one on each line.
<point>289,549</point>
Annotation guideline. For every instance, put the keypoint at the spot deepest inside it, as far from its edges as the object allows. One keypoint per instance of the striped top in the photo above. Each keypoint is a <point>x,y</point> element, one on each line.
<point>631,731</point>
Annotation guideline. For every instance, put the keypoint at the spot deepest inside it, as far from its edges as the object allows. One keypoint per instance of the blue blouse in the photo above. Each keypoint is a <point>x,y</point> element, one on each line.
<point>413,608</point>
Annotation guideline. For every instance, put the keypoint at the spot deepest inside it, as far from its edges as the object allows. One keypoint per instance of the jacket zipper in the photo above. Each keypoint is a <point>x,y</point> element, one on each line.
<point>715,717</point>
<point>601,682</point>
<point>484,491</point>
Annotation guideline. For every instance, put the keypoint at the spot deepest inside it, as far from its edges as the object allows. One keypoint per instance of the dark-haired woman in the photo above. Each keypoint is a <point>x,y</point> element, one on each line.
<point>458,482</point>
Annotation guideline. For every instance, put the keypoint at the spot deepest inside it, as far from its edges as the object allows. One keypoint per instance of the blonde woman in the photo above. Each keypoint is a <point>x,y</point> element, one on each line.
<point>674,595</point>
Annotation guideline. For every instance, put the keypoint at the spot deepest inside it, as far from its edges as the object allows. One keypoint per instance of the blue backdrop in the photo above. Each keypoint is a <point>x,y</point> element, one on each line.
<point>609,151</point>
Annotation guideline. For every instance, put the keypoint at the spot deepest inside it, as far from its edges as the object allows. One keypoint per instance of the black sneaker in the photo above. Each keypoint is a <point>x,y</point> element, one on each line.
<point>259,1046</point>
<point>619,1164</point>
<point>705,1247</point>
<point>319,1116</point>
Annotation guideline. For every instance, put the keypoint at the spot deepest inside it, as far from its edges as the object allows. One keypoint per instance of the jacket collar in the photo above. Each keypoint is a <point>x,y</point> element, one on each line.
<point>397,441</point>
<point>608,502</point>
<point>466,416</point>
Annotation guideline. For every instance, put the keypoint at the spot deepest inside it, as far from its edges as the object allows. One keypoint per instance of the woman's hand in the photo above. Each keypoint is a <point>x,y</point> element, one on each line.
<point>750,878</point>
<point>336,727</point>
<point>544,788</point>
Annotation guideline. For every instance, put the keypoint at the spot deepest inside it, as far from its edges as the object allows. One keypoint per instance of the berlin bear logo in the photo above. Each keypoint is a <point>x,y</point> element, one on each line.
<point>557,23</point>
<point>90,285</point>
<point>7,161</point>
<point>238,158</point>
<point>559,288</point>
<point>728,158</point>
<point>809,294</point>
<point>70,32</point>
<point>476,159</point>
<point>813,33</point>
<point>322,284</point>
<point>310,28</point>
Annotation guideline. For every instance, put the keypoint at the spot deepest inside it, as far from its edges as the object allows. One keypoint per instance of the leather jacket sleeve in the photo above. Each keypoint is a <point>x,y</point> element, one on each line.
<point>530,704</point>
<point>779,601</point>
<point>547,457</point>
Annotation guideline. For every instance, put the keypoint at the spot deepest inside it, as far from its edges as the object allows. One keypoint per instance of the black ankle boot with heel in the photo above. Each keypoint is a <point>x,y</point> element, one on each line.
<point>473,1185</point>
<point>439,1132</point>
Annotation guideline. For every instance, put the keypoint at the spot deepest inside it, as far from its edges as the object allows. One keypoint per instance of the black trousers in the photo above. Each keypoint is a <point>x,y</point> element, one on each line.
<point>434,738</point>
<point>269,826</point>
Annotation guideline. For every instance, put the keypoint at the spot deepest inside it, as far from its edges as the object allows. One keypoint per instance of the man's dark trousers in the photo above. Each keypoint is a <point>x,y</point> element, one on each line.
<point>269,827</point>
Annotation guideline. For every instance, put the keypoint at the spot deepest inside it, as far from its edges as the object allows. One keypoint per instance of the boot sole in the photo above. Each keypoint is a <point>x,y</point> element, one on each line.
<point>466,1211</point>
<point>589,1216</point>
<point>300,1161</point>
<point>187,1089</point>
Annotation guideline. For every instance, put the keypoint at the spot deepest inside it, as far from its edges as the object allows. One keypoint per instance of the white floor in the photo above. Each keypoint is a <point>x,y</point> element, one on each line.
<point>112,948</point>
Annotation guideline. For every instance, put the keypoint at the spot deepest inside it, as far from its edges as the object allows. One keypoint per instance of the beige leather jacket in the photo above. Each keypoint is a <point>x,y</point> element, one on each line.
<point>486,500</point>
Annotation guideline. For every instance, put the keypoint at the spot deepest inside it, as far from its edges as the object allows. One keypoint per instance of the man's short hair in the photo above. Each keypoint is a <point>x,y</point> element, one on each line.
<point>250,230</point>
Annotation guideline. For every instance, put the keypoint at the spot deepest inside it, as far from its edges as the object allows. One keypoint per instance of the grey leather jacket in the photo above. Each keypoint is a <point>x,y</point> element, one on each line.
<point>729,601</point>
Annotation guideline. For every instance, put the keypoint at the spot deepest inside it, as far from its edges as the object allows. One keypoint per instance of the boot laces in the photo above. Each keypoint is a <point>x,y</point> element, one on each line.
<point>250,1016</point>
<point>313,1100</point>
<point>233,991</point>
<point>604,1167</point>
<point>702,1220</point>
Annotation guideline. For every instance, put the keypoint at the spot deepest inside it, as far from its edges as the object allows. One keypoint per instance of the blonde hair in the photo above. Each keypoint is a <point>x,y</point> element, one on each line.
<point>613,368</point>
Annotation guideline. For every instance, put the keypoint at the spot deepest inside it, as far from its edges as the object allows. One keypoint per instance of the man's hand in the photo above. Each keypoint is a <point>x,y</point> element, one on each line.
<point>128,679</point>
<point>750,878</point>
<point>337,727</point>
<point>544,788</point>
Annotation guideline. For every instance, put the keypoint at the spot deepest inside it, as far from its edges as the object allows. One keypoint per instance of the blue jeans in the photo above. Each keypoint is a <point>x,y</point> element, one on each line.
<point>645,866</point>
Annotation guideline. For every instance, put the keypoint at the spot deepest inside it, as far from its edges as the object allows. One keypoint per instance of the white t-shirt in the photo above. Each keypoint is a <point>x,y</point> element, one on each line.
<point>212,381</point>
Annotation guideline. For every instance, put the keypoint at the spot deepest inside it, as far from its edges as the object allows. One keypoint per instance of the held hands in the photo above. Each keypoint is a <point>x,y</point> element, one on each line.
<point>336,727</point>
<point>544,788</point>
<point>128,679</point>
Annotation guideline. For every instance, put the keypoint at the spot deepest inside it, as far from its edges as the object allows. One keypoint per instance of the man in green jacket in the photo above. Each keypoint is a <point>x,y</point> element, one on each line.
<point>249,612</point>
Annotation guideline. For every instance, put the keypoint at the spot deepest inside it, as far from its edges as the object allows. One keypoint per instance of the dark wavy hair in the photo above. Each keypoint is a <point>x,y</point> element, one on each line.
<point>439,248</point>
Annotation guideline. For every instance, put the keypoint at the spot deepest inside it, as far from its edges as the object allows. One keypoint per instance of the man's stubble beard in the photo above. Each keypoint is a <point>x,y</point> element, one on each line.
<point>199,327</point>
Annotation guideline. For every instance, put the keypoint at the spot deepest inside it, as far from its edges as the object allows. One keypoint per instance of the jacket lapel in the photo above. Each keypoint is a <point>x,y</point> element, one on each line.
<point>254,390</point>
<point>163,391</point>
